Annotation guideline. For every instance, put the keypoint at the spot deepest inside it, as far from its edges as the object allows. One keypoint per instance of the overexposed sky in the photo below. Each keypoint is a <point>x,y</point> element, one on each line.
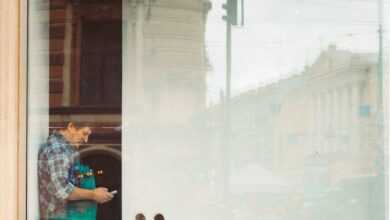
<point>280,37</point>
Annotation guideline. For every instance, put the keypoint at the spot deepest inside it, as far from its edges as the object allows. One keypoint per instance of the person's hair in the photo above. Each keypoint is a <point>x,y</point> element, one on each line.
<point>159,217</point>
<point>78,124</point>
<point>140,216</point>
<point>56,127</point>
<point>64,126</point>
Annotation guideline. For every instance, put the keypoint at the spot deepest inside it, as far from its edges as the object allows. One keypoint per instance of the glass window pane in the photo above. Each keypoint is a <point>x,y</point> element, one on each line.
<point>207,109</point>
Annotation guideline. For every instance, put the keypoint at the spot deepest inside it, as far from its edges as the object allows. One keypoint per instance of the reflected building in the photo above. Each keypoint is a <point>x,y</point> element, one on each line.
<point>164,60</point>
<point>316,132</point>
<point>169,60</point>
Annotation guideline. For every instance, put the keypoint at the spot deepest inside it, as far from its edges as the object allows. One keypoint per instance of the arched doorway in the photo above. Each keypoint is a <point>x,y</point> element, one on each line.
<point>107,166</point>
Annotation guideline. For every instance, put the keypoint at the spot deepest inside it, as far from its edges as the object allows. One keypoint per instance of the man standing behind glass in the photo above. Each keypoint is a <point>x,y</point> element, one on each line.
<point>55,159</point>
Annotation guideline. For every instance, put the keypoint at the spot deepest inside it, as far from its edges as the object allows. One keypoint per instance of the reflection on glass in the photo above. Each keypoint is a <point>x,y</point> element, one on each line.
<point>300,138</point>
<point>299,135</point>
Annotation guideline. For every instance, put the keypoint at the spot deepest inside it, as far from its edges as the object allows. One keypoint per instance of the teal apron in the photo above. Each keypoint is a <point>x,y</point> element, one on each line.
<point>83,177</point>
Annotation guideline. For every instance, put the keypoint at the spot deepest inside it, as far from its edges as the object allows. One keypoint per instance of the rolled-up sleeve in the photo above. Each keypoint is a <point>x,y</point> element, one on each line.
<point>59,165</point>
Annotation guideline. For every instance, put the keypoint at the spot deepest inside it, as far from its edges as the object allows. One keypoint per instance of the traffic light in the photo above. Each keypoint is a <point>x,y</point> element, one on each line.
<point>231,8</point>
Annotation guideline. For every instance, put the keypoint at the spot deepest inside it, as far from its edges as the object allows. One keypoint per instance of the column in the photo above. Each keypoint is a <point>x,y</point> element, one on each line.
<point>128,102</point>
<point>336,119</point>
<point>139,53</point>
<point>313,123</point>
<point>355,105</point>
<point>344,116</point>
<point>332,120</point>
<point>327,119</point>
<point>321,121</point>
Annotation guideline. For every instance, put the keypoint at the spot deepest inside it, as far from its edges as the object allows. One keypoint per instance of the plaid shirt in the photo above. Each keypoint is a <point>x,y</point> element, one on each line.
<point>55,159</point>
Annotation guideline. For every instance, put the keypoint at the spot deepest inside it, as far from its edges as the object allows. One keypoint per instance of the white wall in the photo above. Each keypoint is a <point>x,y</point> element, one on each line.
<point>38,96</point>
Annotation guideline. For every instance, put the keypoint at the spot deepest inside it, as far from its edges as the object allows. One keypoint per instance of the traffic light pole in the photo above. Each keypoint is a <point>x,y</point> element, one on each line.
<point>228,60</point>
<point>226,137</point>
<point>231,7</point>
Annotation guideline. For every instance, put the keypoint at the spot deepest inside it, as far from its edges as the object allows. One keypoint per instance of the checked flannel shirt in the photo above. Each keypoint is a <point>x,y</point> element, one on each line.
<point>55,159</point>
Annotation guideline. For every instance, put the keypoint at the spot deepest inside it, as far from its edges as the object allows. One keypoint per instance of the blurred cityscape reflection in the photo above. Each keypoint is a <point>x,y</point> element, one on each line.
<point>297,133</point>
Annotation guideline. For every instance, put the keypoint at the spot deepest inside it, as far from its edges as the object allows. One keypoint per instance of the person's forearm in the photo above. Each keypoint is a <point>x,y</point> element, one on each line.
<point>81,194</point>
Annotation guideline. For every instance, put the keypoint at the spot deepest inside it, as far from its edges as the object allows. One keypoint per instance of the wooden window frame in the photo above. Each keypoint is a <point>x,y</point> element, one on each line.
<point>23,86</point>
<point>13,108</point>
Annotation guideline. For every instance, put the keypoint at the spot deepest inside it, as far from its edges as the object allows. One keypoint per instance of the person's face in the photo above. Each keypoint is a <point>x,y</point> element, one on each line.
<point>77,136</point>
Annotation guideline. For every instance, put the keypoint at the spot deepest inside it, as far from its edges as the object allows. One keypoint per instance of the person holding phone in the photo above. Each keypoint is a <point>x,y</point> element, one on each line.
<point>55,158</point>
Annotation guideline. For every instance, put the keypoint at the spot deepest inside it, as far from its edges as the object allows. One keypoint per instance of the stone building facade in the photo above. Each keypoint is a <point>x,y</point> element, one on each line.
<point>316,133</point>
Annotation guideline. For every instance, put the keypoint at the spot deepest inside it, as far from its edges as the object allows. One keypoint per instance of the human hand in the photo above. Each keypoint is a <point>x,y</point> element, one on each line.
<point>101,195</point>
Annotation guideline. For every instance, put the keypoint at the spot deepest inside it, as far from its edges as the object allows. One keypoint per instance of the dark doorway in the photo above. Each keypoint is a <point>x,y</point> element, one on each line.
<point>86,83</point>
<point>108,174</point>
<point>101,63</point>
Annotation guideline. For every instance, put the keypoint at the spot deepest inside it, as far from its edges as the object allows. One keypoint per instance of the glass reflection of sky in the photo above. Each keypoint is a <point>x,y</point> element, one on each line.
<point>281,37</point>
